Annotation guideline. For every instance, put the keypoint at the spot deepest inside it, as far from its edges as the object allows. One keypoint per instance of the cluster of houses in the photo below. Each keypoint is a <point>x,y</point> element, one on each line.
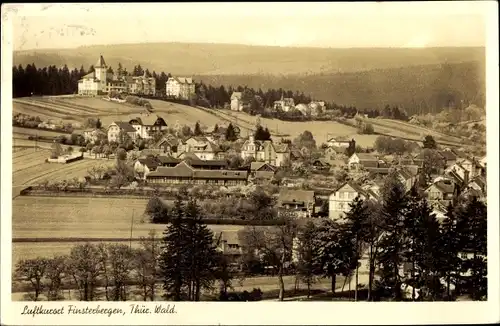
<point>100,81</point>
<point>285,104</point>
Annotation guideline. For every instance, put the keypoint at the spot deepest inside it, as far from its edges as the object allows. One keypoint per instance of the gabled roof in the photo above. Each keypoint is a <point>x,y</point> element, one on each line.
<point>480,181</point>
<point>90,75</point>
<point>256,166</point>
<point>340,139</point>
<point>443,186</point>
<point>295,196</point>
<point>172,141</point>
<point>125,126</point>
<point>366,157</point>
<point>180,170</point>
<point>147,120</point>
<point>354,186</point>
<point>183,80</point>
<point>281,147</point>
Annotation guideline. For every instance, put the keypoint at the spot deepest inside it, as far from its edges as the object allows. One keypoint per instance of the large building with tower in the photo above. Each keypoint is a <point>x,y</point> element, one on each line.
<point>100,82</point>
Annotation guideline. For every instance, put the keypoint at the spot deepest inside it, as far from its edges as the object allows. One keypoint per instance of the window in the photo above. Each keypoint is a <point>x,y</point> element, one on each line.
<point>463,255</point>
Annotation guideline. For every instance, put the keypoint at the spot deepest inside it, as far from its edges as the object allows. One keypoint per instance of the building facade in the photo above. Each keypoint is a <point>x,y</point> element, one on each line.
<point>180,87</point>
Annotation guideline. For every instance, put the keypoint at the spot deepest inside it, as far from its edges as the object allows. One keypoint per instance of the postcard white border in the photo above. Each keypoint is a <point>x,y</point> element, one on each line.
<point>293,313</point>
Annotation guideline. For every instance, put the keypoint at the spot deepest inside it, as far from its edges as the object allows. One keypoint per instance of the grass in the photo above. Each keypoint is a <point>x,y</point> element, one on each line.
<point>49,217</point>
<point>35,132</point>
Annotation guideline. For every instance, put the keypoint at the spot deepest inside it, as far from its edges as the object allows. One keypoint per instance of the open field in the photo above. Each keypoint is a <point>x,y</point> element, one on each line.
<point>79,108</point>
<point>405,129</point>
<point>49,217</point>
<point>34,170</point>
<point>36,132</point>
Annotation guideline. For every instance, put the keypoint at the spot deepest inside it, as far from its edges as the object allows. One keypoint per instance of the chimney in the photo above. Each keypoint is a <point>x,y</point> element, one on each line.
<point>466,178</point>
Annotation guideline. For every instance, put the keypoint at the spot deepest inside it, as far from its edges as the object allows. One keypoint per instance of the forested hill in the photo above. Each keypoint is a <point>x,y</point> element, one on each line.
<point>417,89</point>
<point>419,80</point>
<point>230,59</point>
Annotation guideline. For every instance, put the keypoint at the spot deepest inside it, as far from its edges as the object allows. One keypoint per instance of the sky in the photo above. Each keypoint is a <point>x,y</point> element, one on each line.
<point>337,25</point>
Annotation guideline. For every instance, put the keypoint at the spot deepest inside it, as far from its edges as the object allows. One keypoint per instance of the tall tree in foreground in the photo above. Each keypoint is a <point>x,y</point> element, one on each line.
<point>472,228</point>
<point>173,261</point>
<point>201,253</point>
<point>85,267</point>
<point>449,246</point>
<point>356,219</point>
<point>307,251</point>
<point>393,239</point>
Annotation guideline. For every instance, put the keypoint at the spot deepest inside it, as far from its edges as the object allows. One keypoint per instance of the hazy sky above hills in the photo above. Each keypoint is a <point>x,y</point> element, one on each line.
<point>281,24</point>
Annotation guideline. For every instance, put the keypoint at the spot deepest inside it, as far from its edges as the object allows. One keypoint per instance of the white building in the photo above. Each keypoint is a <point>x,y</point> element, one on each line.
<point>180,87</point>
<point>236,101</point>
<point>339,201</point>
<point>102,82</point>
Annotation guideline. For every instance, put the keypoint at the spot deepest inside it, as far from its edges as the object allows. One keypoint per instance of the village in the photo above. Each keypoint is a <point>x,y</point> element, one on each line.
<point>303,178</point>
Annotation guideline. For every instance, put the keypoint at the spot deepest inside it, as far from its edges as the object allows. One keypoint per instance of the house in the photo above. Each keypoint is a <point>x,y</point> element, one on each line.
<point>94,83</point>
<point>471,165</point>
<point>364,160</point>
<point>91,135</point>
<point>262,170</point>
<point>300,202</point>
<point>339,200</point>
<point>295,154</point>
<point>457,173</point>
<point>321,164</point>
<point>236,101</point>
<point>304,109</point>
<point>143,166</point>
<point>203,147</point>
<point>316,108</point>
<point>266,151</point>
<point>148,124</point>
<point>230,245</point>
<point>183,173</point>
<point>180,87</point>
<point>449,157</point>
<point>140,85</point>
<point>207,164</point>
<point>285,104</point>
<point>442,190</point>
<point>406,177</point>
<point>116,127</point>
<point>339,142</point>
<point>167,144</point>
<point>100,81</point>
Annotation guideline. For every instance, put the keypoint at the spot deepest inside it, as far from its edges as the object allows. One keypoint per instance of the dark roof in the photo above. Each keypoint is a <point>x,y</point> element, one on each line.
<point>125,126</point>
<point>168,160</point>
<point>220,174</point>
<point>100,62</point>
<point>264,174</point>
<point>151,162</point>
<point>378,170</point>
<point>366,157</point>
<point>481,181</point>
<point>369,164</point>
<point>256,166</point>
<point>448,155</point>
<point>195,163</point>
<point>295,196</point>
<point>354,186</point>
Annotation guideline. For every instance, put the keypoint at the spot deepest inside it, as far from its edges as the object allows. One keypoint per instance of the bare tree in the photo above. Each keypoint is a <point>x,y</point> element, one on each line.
<point>273,244</point>
<point>33,271</point>
<point>56,272</point>
<point>84,267</point>
<point>146,265</point>
<point>120,267</point>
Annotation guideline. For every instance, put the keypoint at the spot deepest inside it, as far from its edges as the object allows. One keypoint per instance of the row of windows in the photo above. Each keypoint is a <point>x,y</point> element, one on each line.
<point>197,181</point>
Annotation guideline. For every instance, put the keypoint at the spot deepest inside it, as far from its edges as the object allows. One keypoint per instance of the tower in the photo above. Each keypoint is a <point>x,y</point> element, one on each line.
<point>100,73</point>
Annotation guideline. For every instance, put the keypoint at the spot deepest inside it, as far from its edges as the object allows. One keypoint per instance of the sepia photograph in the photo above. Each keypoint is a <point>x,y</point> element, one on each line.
<point>246,152</point>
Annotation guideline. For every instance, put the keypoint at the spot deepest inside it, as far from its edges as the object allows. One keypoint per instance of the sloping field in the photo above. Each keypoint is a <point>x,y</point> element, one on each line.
<point>71,217</point>
<point>33,172</point>
<point>39,132</point>
<point>321,130</point>
<point>409,130</point>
